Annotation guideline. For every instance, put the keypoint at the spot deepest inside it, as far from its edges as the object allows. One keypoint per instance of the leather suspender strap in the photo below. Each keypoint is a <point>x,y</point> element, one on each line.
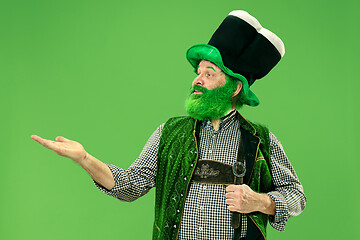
<point>239,170</point>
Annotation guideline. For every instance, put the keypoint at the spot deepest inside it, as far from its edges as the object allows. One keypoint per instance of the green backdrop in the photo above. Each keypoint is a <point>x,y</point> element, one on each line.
<point>108,73</point>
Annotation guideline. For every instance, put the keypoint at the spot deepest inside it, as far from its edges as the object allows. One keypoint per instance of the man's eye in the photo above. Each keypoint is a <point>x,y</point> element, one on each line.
<point>209,75</point>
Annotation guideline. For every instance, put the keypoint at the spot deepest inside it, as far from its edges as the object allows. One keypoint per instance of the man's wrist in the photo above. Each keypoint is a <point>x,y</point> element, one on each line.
<point>85,161</point>
<point>267,204</point>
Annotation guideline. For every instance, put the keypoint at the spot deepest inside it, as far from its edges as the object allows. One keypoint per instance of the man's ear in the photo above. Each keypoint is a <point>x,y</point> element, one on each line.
<point>238,89</point>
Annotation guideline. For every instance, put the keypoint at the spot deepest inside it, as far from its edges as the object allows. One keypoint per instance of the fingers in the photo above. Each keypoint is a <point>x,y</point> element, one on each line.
<point>235,188</point>
<point>39,139</point>
<point>46,143</point>
<point>230,201</point>
<point>233,204</point>
<point>35,137</point>
<point>58,138</point>
<point>62,139</point>
<point>241,198</point>
<point>231,188</point>
<point>233,208</point>
<point>234,196</point>
<point>230,195</point>
<point>235,191</point>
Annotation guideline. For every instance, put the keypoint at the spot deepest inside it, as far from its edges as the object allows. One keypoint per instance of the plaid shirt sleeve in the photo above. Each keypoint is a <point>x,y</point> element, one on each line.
<point>288,195</point>
<point>139,178</point>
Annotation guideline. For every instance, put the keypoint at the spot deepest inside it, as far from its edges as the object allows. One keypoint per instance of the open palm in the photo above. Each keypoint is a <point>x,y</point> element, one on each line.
<point>64,147</point>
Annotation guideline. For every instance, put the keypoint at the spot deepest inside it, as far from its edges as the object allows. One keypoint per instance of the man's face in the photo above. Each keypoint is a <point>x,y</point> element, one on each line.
<point>211,93</point>
<point>209,76</point>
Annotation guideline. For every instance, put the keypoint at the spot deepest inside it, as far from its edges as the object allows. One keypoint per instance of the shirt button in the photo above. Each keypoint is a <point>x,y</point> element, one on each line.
<point>191,165</point>
<point>178,211</point>
<point>185,178</point>
<point>204,187</point>
<point>174,226</point>
<point>192,140</point>
<point>210,151</point>
<point>195,152</point>
<point>181,195</point>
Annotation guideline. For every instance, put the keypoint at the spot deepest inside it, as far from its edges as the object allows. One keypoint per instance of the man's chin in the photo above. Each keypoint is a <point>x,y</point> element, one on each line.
<point>202,112</point>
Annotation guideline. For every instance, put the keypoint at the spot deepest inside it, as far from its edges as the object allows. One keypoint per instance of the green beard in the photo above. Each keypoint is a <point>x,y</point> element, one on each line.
<point>211,104</point>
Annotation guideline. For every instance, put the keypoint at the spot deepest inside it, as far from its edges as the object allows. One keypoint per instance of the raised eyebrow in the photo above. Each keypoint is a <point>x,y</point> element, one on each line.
<point>211,68</point>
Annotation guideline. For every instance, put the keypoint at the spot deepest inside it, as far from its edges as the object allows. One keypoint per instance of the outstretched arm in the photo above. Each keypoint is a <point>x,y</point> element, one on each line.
<point>139,178</point>
<point>98,170</point>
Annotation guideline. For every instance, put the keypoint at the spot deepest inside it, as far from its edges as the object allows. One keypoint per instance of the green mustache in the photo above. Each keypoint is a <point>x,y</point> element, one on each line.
<point>198,88</point>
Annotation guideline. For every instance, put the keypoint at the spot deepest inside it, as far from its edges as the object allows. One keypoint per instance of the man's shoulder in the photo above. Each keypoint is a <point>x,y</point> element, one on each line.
<point>177,127</point>
<point>260,127</point>
<point>179,122</point>
<point>179,119</point>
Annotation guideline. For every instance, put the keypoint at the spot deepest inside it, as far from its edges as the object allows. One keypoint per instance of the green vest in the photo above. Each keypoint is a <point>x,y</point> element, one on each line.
<point>177,157</point>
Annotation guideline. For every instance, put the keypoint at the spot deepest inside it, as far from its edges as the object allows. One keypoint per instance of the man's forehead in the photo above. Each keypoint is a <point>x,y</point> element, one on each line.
<point>207,64</point>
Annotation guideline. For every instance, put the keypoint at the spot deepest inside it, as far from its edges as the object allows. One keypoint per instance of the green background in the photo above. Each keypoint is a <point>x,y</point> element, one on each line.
<point>108,73</point>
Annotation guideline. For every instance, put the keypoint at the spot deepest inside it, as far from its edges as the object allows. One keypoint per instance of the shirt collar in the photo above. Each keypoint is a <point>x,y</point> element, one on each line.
<point>225,121</point>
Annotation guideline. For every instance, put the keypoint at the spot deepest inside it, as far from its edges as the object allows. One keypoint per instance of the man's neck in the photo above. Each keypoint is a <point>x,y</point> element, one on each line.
<point>216,122</point>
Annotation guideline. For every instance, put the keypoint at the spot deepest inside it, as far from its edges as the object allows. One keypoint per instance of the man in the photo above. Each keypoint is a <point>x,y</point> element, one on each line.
<point>217,175</point>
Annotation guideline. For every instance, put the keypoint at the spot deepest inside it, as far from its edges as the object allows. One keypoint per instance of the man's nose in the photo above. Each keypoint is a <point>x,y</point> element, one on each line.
<point>198,80</point>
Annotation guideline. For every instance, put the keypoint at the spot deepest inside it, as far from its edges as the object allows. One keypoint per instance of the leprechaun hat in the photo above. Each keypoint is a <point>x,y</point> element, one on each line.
<point>243,49</point>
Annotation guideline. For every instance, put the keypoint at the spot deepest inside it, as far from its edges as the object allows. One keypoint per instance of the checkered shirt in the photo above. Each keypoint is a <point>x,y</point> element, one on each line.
<point>205,213</point>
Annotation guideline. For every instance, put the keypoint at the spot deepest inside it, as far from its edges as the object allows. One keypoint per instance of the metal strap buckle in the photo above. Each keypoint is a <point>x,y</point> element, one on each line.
<point>238,173</point>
